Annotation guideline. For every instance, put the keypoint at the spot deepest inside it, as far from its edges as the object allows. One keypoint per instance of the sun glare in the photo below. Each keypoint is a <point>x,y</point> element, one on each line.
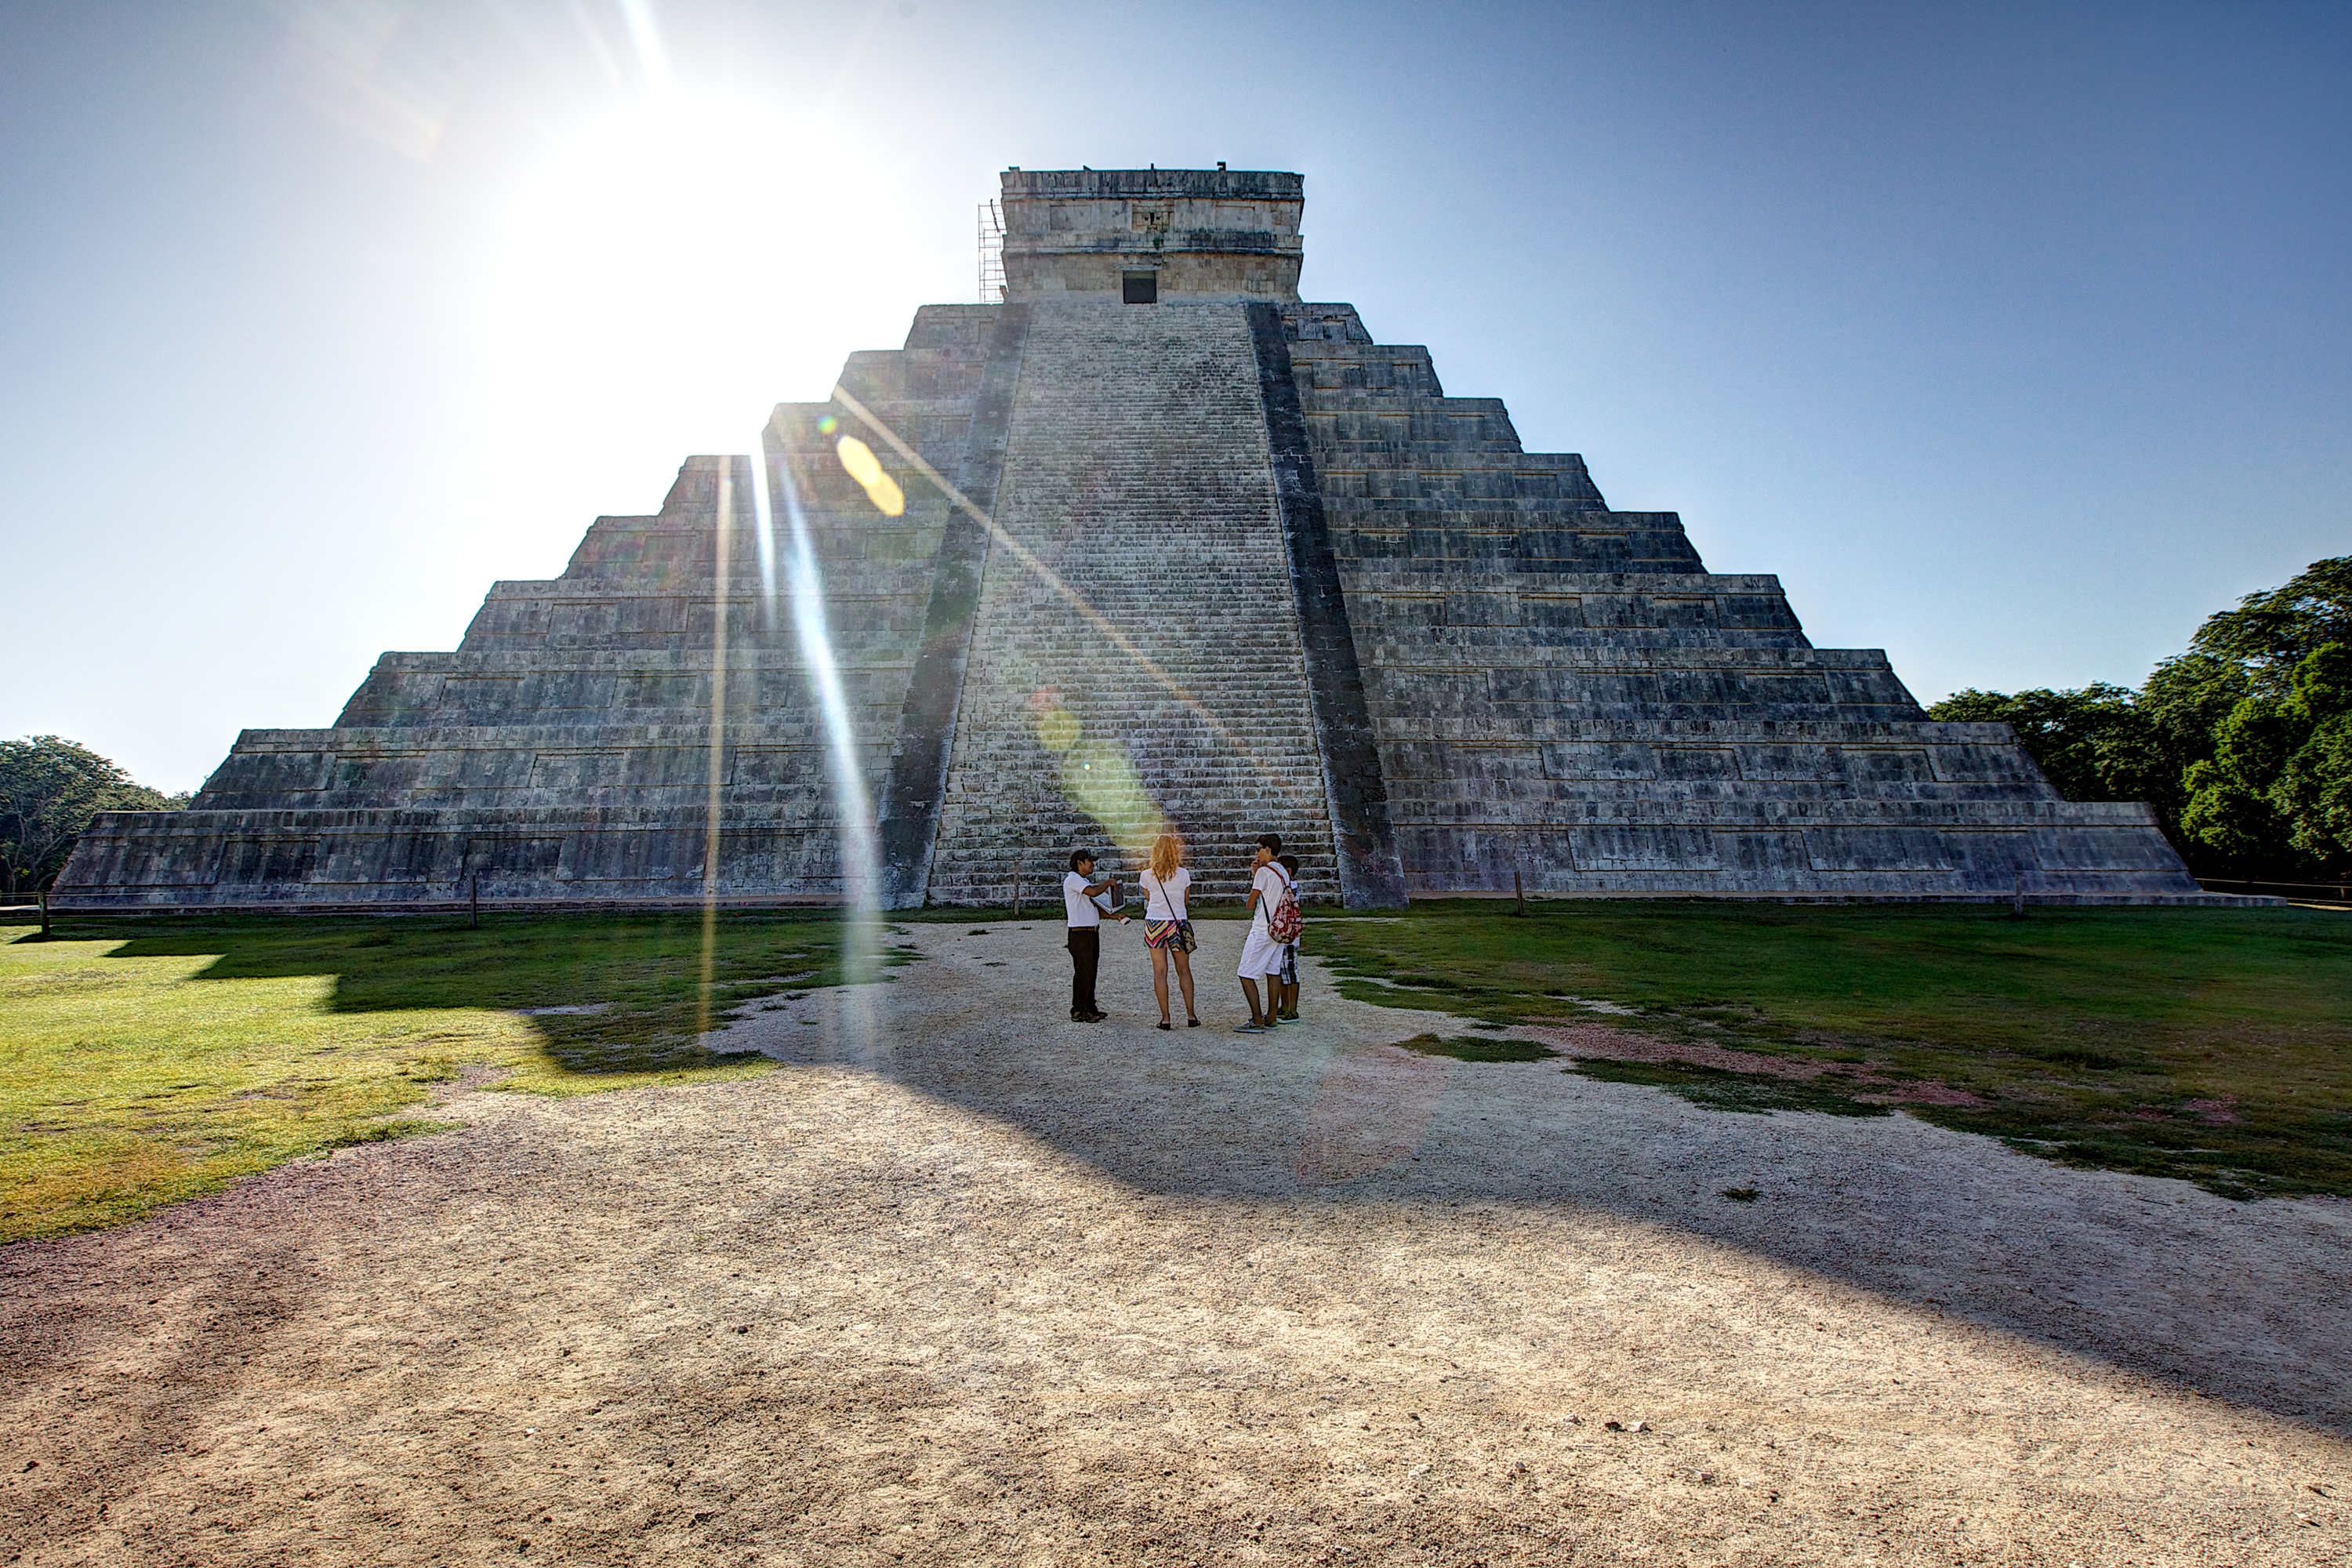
<point>673,273</point>
<point>867,468</point>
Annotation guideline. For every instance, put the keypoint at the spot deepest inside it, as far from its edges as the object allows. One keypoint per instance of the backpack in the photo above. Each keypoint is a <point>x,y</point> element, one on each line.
<point>1287,919</point>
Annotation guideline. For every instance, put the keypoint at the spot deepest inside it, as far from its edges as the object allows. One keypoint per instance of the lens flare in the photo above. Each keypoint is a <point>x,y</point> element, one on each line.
<point>1027,560</point>
<point>1101,782</point>
<point>1096,776</point>
<point>866,470</point>
<point>856,811</point>
<point>853,808</point>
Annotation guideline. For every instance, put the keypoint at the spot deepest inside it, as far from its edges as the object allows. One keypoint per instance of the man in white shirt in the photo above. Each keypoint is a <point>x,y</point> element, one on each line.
<point>1261,954</point>
<point>1079,891</point>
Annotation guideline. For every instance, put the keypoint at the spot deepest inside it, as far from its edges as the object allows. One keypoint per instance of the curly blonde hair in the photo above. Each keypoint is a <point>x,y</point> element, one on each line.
<point>1167,854</point>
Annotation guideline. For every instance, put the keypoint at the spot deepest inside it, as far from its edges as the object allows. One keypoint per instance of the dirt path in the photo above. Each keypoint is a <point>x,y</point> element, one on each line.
<point>987,1287</point>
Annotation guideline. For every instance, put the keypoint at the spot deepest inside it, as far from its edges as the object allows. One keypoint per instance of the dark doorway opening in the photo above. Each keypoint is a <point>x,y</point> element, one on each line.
<point>1139,287</point>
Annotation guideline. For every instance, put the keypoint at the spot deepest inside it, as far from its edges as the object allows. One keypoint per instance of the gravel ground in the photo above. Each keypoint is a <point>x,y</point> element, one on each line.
<point>968,1283</point>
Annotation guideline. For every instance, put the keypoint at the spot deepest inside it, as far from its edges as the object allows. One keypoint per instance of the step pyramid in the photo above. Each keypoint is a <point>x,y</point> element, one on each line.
<point>1148,544</point>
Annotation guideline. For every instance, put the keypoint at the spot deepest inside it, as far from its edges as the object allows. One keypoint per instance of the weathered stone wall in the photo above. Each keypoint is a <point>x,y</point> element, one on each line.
<point>1138,483</point>
<point>1561,692</point>
<point>908,811</point>
<point>564,751</point>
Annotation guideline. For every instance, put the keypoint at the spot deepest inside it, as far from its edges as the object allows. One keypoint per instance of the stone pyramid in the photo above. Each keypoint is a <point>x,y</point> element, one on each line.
<point>1148,541</point>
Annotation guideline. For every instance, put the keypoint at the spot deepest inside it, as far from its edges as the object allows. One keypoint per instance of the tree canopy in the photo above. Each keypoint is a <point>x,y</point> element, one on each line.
<point>2242,743</point>
<point>50,788</point>
<point>2270,635</point>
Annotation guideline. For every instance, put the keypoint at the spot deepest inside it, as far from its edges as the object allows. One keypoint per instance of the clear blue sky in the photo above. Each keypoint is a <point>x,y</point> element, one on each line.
<point>2015,338</point>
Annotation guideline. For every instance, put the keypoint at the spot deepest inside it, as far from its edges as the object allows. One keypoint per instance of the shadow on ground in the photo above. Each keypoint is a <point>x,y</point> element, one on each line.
<point>2239,1302</point>
<point>2157,1277</point>
<point>610,993</point>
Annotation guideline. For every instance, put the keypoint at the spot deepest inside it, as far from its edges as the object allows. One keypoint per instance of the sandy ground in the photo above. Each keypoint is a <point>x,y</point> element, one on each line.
<point>983,1286</point>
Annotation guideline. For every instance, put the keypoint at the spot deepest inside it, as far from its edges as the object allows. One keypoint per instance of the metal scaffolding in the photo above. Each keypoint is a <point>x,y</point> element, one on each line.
<point>991,254</point>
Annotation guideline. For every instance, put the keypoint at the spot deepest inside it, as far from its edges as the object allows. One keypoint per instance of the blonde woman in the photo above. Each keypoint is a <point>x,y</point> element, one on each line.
<point>1168,925</point>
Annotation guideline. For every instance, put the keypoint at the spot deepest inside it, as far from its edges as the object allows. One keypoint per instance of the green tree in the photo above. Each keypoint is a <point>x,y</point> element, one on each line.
<point>51,787</point>
<point>2242,743</point>
<point>2186,699</point>
<point>2277,791</point>
<point>2095,743</point>
<point>2315,792</point>
<point>2270,633</point>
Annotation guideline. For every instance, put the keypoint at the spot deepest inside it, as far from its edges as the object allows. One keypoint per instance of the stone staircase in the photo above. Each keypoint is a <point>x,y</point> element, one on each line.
<point>1136,478</point>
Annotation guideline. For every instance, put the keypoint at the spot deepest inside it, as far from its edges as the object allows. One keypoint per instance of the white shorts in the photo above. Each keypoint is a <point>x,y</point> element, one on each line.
<point>1260,955</point>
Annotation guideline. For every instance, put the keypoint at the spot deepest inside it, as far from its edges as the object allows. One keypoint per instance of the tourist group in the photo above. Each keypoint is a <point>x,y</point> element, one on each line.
<point>1271,954</point>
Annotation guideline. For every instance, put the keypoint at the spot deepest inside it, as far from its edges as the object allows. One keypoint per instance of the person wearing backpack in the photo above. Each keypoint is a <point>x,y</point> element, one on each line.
<point>1261,953</point>
<point>1286,1000</point>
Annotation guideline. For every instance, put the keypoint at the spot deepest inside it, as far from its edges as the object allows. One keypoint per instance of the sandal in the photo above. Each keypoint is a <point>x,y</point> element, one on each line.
<point>1164,1024</point>
<point>1192,1023</point>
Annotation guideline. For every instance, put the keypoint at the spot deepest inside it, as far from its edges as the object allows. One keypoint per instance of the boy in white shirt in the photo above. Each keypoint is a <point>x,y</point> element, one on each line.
<point>1261,954</point>
<point>1079,892</point>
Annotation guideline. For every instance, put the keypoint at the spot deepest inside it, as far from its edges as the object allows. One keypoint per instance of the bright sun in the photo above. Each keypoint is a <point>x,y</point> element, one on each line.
<point>673,274</point>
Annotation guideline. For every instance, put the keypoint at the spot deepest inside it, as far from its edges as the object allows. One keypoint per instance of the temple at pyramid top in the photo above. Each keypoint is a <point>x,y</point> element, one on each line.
<point>1141,235</point>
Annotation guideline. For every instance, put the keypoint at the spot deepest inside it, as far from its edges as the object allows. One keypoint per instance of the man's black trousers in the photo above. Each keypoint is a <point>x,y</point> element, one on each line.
<point>1086,952</point>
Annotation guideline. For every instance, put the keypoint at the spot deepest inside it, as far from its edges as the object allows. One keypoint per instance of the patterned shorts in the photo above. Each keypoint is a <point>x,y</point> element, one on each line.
<point>1159,934</point>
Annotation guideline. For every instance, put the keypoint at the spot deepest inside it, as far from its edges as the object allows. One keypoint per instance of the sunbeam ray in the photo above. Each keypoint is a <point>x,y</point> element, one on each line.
<point>764,539</point>
<point>1077,600</point>
<point>652,58</point>
<point>714,800</point>
<point>860,856</point>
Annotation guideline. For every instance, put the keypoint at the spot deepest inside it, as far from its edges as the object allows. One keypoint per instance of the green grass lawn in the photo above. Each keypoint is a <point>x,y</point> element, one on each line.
<point>2214,1044</point>
<point>145,1062</point>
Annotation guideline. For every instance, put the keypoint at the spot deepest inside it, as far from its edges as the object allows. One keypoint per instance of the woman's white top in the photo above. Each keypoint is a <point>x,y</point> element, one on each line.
<point>1167,903</point>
